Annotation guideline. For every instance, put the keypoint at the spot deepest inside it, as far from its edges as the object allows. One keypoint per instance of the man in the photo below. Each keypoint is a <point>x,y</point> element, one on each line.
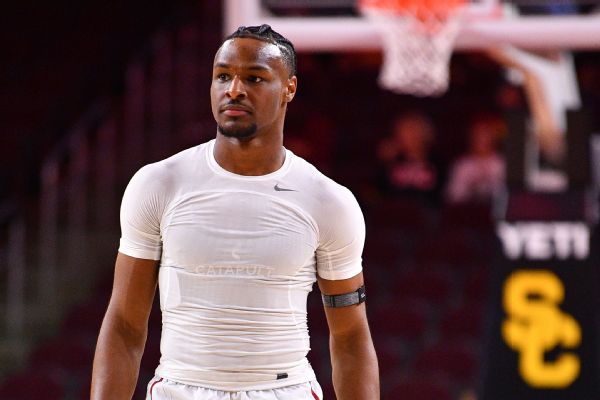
<point>242,229</point>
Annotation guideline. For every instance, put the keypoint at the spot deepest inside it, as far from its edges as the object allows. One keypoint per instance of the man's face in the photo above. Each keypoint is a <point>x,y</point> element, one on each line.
<point>250,87</point>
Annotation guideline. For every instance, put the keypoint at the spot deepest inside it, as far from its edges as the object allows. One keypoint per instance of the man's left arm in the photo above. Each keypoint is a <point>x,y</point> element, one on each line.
<point>353,358</point>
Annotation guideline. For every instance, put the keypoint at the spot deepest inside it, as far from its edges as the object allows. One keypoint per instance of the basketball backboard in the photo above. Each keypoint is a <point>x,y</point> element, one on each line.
<point>489,22</point>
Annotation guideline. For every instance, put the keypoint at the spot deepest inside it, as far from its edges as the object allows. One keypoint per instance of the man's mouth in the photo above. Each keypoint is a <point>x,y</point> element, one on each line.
<point>235,113</point>
<point>235,110</point>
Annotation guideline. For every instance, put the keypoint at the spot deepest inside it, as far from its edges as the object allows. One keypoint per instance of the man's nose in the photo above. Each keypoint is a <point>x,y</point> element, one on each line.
<point>236,88</point>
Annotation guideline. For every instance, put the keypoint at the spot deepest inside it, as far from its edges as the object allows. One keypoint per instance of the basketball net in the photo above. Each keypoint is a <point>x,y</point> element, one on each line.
<point>418,38</point>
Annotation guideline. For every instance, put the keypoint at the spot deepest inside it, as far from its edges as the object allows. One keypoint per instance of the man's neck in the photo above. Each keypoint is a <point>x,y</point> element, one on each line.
<point>251,157</point>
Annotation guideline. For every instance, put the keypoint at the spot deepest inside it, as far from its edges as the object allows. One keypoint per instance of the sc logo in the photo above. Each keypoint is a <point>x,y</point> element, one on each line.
<point>535,324</point>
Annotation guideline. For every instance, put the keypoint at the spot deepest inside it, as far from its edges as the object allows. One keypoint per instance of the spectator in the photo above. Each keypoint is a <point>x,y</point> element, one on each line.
<point>408,166</point>
<point>479,174</point>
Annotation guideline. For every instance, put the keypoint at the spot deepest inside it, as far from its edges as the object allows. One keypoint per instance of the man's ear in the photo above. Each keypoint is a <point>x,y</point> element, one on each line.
<point>290,89</point>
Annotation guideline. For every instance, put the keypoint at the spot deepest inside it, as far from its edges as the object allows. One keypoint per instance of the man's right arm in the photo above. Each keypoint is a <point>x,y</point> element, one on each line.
<point>124,329</point>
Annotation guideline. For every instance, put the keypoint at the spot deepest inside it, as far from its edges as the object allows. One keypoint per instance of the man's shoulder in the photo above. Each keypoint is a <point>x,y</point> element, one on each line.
<point>182,158</point>
<point>321,185</point>
<point>170,165</point>
<point>164,173</point>
<point>332,205</point>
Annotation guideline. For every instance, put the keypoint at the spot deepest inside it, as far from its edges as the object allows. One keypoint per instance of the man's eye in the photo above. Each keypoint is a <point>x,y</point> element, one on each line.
<point>255,79</point>
<point>222,77</point>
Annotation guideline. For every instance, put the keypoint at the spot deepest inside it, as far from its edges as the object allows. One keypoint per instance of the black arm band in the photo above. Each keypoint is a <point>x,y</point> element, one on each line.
<point>346,299</point>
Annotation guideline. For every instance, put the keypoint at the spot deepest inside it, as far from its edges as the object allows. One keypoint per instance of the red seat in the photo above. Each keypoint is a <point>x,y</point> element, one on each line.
<point>462,323</point>
<point>319,352</point>
<point>402,214</point>
<point>477,216</point>
<point>392,355</point>
<point>403,320</point>
<point>65,354</point>
<point>31,386</point>
<point>448,247</point>
<point>419,389</point>
<point>382,248</point>
<point>151,356</point>
<point>328,391</point>
<point>85,318</point>
<point>477,285</point>
<point>317,322</point>
<point>155,318</point>
<point>430,285</point>
<point>454,360</point>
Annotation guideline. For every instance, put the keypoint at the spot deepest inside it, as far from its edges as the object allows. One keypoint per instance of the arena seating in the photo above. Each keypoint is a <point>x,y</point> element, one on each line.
<point>427,267</point>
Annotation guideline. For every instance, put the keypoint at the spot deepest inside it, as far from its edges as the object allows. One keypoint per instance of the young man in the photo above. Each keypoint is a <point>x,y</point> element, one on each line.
<point>236,231</point>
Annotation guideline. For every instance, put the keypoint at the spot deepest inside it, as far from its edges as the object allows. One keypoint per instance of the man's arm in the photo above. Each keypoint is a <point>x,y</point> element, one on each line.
<point>353,358</point>
<point>124,329</point>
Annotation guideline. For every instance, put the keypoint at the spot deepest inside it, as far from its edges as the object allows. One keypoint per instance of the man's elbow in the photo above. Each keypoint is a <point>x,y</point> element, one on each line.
<point>351,337</point>
<point>133,333</point>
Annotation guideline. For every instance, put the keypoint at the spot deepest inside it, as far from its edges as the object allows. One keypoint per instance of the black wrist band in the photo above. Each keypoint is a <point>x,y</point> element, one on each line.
<point>346,299</point>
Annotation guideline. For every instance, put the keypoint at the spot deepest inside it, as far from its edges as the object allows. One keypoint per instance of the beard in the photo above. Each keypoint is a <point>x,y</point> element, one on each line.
<point>237,132</point>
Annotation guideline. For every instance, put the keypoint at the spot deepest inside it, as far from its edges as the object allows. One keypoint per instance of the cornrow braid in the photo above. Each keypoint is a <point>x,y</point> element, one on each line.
<point>265,33</point>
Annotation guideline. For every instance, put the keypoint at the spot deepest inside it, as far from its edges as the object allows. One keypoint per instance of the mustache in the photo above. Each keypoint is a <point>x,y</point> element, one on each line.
<point>236,104</point>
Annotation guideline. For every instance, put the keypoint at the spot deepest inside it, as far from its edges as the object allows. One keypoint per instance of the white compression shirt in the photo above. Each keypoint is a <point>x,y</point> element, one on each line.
<point>238,257</point>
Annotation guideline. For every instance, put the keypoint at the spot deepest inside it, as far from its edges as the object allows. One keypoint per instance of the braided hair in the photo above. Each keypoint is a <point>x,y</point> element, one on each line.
<point>266,34</point>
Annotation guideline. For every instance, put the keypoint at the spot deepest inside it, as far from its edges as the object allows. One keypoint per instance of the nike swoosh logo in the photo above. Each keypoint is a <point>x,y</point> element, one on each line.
<point>280,189</point>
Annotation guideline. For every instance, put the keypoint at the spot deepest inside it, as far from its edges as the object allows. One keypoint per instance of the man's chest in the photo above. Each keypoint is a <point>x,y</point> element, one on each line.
<point>233,229</point>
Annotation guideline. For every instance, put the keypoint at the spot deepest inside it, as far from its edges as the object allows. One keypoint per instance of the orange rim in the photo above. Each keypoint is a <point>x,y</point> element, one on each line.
<point>422,10</point>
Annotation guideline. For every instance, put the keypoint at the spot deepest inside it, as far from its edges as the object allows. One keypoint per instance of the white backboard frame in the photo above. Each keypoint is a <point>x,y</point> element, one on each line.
<point>356,33</point>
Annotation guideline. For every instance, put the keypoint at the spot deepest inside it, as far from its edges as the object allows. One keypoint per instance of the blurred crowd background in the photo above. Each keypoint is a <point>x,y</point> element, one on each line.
<point>91,91</point>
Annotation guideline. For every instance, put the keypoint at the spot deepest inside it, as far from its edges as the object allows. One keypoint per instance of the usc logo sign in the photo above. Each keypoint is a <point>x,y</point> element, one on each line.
<point>535,325</point>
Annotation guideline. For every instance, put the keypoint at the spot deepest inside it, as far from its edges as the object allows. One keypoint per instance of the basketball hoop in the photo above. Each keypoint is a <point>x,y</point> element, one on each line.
<point>418,37</point>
